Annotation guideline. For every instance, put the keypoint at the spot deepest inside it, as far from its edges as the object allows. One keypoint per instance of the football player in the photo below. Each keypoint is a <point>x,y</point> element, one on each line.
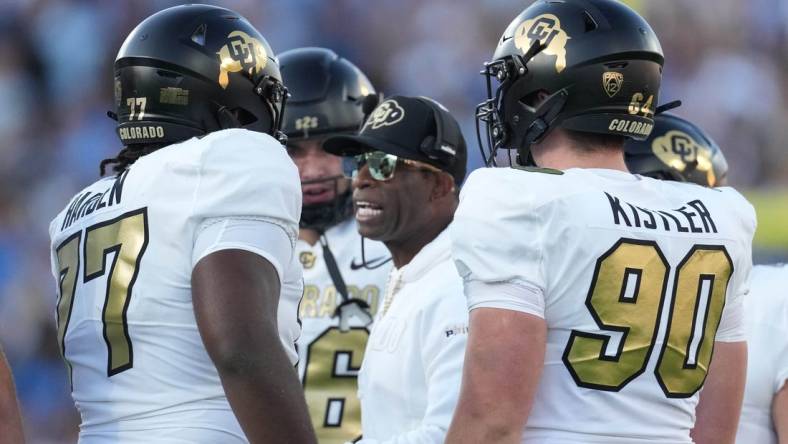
<point>177,276</point>
<point>596,296</point>
<point>342,282</point>
<point>409,160</point>
<point>10,420</point>
<point>679,150</point>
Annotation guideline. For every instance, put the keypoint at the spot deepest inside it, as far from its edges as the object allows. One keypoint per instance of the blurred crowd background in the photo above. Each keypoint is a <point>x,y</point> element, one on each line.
<point>727,61</point>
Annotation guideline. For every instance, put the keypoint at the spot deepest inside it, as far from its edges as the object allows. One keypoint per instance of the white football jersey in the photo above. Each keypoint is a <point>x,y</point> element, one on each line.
<point>766,320</point>
<point>329,359</point>
<point>635,277</point>
<point>122,255</point>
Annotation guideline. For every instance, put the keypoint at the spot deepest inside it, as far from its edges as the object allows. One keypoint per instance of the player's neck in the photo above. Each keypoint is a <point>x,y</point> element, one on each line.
<point>610,160</point>
<point>558,151</point>
<point>309,236</point>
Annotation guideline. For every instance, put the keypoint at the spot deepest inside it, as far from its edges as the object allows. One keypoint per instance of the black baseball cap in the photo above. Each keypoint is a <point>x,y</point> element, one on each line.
<point>415,128</point>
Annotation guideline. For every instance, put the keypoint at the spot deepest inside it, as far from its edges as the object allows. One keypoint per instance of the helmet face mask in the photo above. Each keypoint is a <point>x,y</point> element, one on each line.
<point>190,70</point>
<point>583,65</point>
<point>320,216</point>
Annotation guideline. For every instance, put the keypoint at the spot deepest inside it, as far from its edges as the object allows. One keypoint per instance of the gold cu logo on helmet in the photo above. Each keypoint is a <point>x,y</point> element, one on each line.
<point>547,29</point>
<point>611,82</point>
<point>678,150</point>
<point>241,53</point>
<point>386,114</point>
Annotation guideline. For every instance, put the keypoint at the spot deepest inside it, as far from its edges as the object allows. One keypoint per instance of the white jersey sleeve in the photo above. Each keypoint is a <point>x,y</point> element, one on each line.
<point>485,254</point>
<point>258,236</point>
<point>248,175</point>
<point>731,328</point>
<point>241,175</point>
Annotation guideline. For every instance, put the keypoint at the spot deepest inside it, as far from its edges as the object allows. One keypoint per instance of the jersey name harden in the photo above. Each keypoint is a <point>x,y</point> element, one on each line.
<point>86,203</point>
<point>692,217</point>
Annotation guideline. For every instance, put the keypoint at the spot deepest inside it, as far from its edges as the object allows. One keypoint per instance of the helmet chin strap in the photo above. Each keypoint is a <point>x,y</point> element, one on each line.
<point>546,114</point>
<point>227,119</point>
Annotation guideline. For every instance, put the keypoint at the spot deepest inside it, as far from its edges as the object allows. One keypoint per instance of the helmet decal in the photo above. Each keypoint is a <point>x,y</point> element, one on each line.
<point>547,29</point>
<point>611,82</point>
<point>676,149</point>
<point>241,53</point>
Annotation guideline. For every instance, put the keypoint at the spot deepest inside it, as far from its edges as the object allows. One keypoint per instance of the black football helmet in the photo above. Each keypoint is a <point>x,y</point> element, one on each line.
<point>677,150</point>
<point>328,95</point>
<point>596,63</point>
<point>190,70</point>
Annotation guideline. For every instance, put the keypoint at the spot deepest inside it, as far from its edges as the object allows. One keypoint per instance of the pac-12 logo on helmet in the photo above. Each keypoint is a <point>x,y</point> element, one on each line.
<point>386,114</point>
<point>611,82</point>
<point>547,29</point>
<point>241,53</point>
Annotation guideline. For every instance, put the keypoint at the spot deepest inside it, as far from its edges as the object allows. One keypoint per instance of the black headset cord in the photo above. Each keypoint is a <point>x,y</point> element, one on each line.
<point>350,307</point>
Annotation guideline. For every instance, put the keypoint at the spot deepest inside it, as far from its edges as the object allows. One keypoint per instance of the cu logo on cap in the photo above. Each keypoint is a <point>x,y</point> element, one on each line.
<point>386,114</point>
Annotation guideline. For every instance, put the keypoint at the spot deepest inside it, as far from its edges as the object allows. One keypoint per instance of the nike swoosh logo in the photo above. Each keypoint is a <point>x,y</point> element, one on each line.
<point>372,263</point>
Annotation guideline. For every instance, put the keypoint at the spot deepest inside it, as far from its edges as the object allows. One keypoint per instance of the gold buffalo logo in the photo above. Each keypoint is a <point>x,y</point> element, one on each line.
<point>307,259</point>
<point>241,53</point>
<point>547,29</point>
<point>611,82</point>
<point>681,152</point>
<point>386,114</point>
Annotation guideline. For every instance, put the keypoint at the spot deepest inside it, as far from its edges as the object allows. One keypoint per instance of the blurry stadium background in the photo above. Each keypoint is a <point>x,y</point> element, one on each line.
<point>728,62</point>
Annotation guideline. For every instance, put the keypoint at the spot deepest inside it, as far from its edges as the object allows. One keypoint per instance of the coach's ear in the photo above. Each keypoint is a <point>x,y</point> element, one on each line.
<point>442,185</point>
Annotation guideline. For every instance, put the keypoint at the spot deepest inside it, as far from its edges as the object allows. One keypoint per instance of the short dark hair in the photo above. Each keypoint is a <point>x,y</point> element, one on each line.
<point>127,156</point>
<point>591,142</point>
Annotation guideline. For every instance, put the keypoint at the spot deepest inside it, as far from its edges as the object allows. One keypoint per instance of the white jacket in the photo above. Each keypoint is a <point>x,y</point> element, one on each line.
<point>410,378</point>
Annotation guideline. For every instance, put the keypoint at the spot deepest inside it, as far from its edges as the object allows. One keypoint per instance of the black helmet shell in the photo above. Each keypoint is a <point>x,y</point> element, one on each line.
<point>193,69</point>
<point>677,150</point>
<point>597,63</point>
<point>327,92</point>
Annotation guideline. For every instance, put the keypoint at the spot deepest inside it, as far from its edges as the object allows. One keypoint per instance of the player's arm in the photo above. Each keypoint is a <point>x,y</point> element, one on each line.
<point>780,414</point>
<point>717,413</point>
<point>10,419</point>
<point>236,294</point>
<point>503,364</point>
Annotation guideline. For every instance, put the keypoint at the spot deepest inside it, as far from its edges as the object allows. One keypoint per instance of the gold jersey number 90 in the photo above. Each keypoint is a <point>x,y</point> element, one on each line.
<point>627,294</point>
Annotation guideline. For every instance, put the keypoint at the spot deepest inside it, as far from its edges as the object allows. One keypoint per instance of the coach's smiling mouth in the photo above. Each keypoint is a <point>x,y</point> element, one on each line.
<point>367,211</point>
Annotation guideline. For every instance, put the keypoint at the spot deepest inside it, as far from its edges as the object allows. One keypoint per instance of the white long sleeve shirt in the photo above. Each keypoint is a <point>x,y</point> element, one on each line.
<point>410,378</point>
